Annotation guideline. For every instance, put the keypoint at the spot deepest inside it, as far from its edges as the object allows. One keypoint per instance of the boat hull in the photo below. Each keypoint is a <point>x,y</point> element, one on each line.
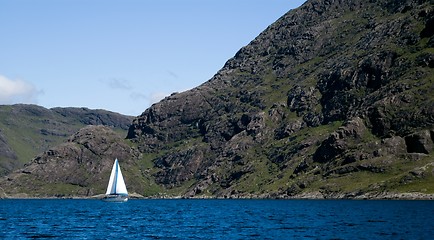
<point>115,198</point>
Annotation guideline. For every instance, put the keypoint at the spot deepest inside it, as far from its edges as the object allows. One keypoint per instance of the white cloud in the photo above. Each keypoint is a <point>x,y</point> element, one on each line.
<point>16,91</point>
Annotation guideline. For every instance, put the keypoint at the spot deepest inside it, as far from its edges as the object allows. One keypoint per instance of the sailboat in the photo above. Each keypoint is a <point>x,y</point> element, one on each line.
<point>116,189</point>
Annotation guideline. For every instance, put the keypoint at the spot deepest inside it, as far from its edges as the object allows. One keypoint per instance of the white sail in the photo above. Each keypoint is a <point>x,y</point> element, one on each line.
<point>116,183</point>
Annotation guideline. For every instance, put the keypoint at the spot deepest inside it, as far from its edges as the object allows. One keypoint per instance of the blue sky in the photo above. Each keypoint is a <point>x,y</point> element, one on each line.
<point>119,55</point>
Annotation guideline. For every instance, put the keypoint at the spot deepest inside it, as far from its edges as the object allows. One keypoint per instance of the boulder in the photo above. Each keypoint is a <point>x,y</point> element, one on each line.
<point>420,142</point>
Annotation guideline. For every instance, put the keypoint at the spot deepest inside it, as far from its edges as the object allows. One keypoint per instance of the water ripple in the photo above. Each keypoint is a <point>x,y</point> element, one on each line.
<point>216,219</point>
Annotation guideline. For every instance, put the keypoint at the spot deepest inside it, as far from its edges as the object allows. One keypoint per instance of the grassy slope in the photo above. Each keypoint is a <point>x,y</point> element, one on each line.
<point>23,132</point>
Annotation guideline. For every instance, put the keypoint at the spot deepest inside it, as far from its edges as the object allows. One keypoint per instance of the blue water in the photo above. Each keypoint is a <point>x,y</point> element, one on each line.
<point>216,219</point>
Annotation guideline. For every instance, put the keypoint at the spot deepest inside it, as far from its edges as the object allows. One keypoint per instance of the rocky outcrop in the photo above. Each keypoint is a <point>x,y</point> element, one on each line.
<point>420,142</point>
<point>338,142</point>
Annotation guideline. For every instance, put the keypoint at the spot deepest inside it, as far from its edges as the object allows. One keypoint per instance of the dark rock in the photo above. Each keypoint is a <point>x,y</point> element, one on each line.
<point>184,166</point>
<point>420,142</point>
<point>289,128</point>
<point>302,167</point>
<point>391,146</point>
<point>337,142</point>
<point>426,60</point>
<point>302,100</point>
<point>428,31</point>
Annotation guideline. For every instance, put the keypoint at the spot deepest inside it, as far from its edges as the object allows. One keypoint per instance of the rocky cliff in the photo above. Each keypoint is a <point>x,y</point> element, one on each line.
<point>335,99</point>
<point>332,97</point>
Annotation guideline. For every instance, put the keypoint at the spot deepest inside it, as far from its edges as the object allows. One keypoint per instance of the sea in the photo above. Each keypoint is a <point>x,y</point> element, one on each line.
<point>216,219</point>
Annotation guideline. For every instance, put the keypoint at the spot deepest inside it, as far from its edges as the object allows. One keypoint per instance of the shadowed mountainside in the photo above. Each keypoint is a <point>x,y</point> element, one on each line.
<point>336,97</point>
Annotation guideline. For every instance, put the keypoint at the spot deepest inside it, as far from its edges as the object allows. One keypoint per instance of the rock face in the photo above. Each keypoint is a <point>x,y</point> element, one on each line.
<point>421,142</point>
<point>333,100</point>
<point>364,66</point>
<point>26,130</point>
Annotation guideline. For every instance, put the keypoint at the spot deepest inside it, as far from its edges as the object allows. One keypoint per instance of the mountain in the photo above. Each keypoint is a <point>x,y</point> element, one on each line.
<point>27,130</point>
<point>333,100</point>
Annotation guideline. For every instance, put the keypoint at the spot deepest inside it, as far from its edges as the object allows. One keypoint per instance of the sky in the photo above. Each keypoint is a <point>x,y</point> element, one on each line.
<point>121,55</point>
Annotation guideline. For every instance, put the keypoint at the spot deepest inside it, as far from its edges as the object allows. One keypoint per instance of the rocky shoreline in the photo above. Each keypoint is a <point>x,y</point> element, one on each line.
<point>303,196</point>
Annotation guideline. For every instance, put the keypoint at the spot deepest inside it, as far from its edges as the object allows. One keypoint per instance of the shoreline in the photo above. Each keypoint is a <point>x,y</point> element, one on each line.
<point>304,196</point>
